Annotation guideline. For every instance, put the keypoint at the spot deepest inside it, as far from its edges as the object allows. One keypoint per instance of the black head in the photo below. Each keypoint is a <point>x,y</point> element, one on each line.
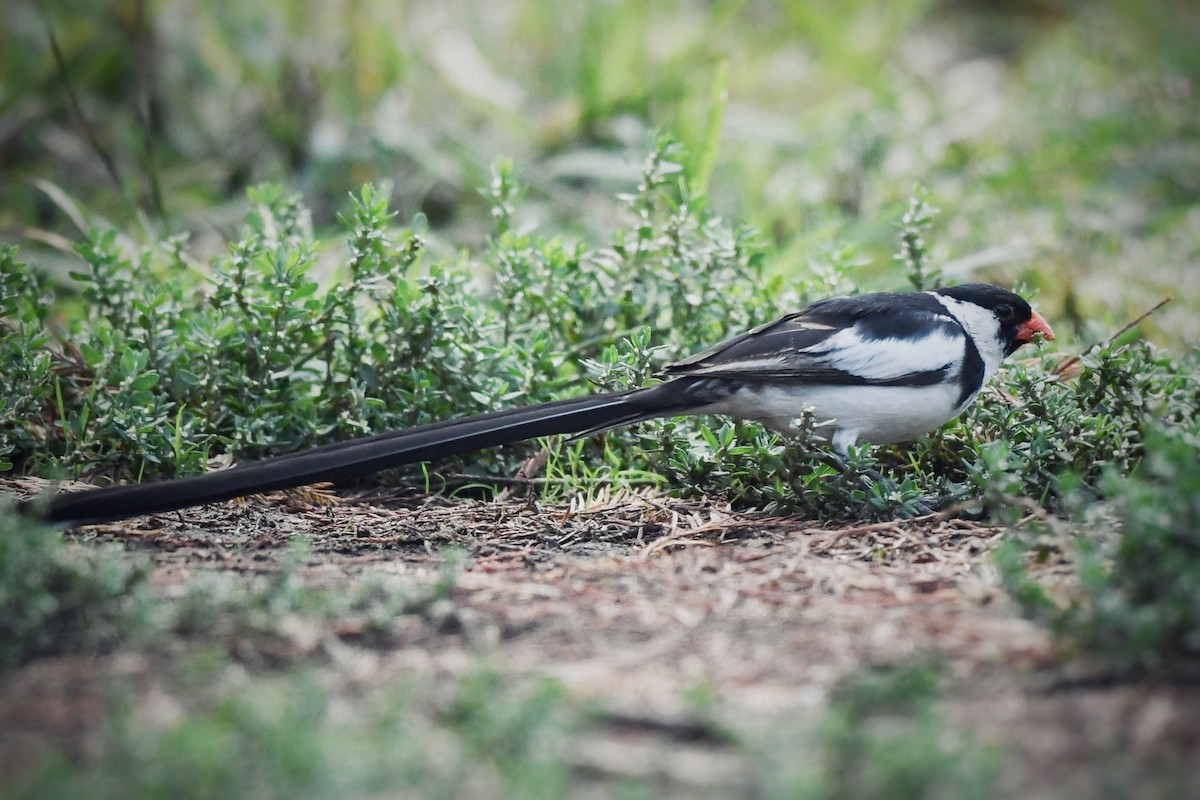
<point>1018,322</point>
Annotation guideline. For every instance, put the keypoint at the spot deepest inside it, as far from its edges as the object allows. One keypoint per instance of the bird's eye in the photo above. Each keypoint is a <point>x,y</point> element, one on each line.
<point>1004,312</point>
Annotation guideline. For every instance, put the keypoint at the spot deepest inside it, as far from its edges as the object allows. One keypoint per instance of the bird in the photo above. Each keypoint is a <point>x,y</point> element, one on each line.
<point>874,368</point>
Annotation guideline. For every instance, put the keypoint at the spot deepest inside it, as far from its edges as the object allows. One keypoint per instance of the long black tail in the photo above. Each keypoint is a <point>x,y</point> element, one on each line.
<point>360,457</point>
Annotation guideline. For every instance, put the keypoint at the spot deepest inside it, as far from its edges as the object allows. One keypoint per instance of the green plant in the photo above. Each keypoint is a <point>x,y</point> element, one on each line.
<point>518,732</point>
<point>1044,438</point>
<point>279,737</point>
<point>60,599</point>
<point>883,738</point>
<point>913,254</point>
<point>223,609</point>
<point>1137,603</point>
<point>264,358</point>
<point>25,361</point>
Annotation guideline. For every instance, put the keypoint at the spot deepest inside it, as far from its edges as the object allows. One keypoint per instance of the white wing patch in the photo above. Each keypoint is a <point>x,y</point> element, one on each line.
<point>889,359</point>
<point>753,366</point>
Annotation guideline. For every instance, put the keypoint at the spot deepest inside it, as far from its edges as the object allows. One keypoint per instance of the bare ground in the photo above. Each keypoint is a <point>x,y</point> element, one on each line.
<point>632,602</point>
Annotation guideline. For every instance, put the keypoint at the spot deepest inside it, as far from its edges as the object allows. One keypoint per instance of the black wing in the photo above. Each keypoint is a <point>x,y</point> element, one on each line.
<point>875,339</point>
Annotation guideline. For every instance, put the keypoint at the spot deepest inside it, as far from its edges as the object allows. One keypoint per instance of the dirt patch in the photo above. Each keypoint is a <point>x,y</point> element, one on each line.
<point>633,601</point>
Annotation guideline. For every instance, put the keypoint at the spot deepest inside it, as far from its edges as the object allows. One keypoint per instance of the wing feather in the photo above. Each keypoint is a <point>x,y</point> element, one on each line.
<point>874,340</point>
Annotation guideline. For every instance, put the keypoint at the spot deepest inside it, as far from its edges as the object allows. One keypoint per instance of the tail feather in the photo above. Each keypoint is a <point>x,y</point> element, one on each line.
<point>360,457</point>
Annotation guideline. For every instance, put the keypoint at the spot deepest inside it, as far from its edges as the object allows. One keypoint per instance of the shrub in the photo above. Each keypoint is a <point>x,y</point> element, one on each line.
<point>56,599</point>
<point>1137,603</point>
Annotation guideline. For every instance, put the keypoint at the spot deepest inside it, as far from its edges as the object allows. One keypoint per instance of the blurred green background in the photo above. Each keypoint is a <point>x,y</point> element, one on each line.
<point>1060,139</point>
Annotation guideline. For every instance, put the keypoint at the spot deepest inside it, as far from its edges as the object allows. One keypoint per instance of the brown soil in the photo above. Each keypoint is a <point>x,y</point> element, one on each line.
<point>633,601</point>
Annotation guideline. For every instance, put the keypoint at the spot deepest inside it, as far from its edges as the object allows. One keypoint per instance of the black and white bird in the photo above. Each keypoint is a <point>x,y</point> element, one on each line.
<point>876,368</point>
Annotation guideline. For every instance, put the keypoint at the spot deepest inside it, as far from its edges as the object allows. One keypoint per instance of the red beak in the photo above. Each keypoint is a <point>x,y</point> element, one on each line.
<point>1035,324</point>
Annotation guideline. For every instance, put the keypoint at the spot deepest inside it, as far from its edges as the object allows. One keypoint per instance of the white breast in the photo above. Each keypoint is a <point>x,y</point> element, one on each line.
<point>876,414</point>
